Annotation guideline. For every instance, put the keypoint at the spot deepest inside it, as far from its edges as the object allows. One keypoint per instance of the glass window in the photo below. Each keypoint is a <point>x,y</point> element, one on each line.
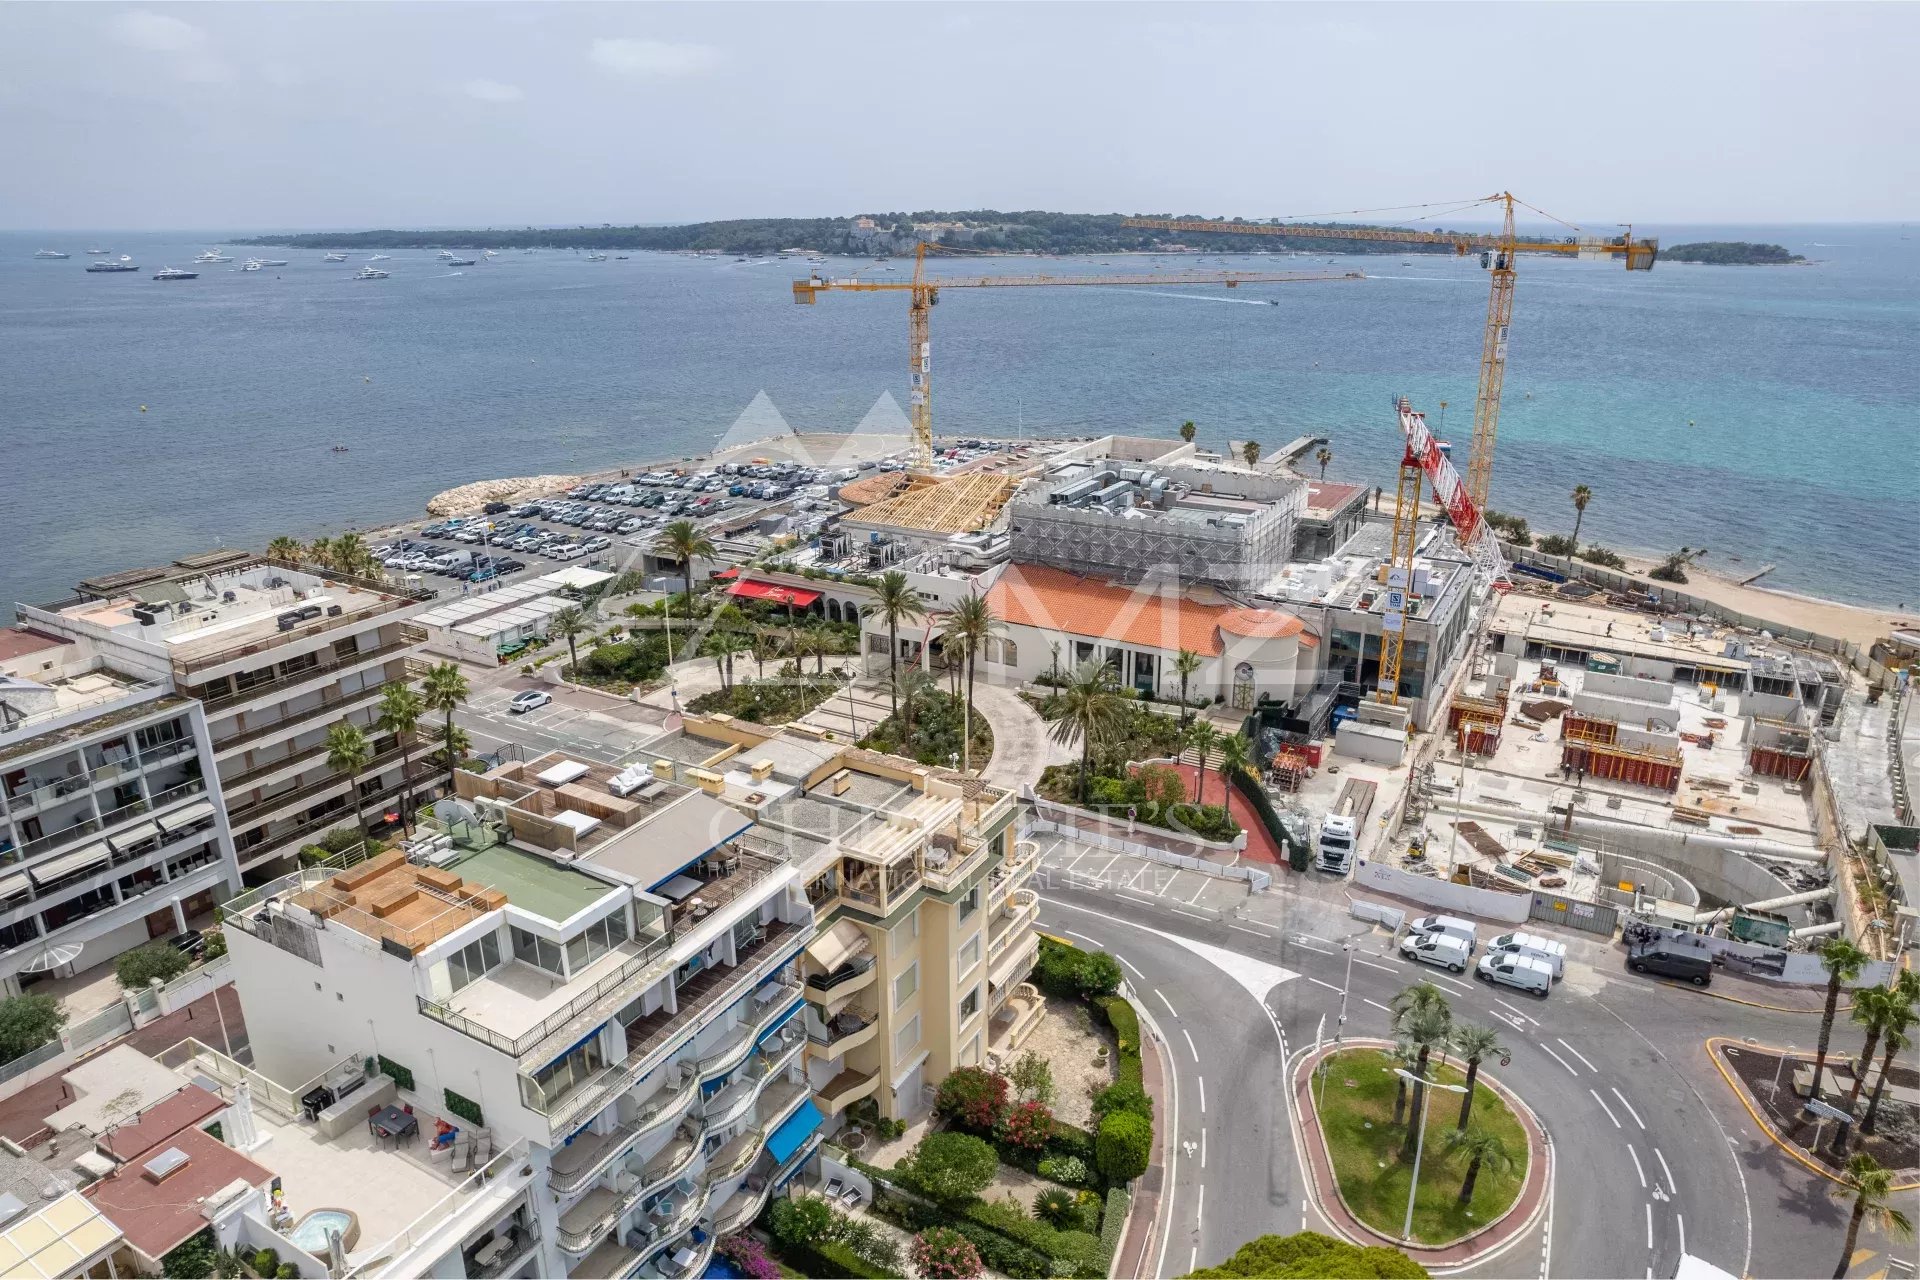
<point>578,956</point>
<point>906,1037</point>
<point>970,904</point>
<point>970,1005</point>
<point>970,954</point>
<point>536,951</point>
<point>473,960</point>
<point>904,935</point>
<point>906,984</point>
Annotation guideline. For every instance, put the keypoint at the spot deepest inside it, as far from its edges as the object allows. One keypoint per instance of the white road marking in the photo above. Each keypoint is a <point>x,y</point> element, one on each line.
<point>1204,882</point>
<point>1101,874</point>
<point>1083,937</point>
<point>1452,982</point>
<point>1203,1148</point>
<point>1518,1013</point>
<point>1262,933</point>
<point>1371,965</point>
<point>1628,1105</point>
<point>1200,1206</point>
<point>1130,880</point>
<point>1123,960</point>
<point>1680,1220</point>
<point>1163,1000</point>
<point>1138,897</point>
<point>1649,1230</point>
<point>1190,1049</point>
<point>1376,1004</point>
<point>1319,982</point>
<point>1672,1186</point>
<point>1182,911</point>
<point>1193,1259</point>
<point>1562,1061</point>
<point>1162,889</point>
<point>1616,1119</point>
<point>1636,1166</point>
<point>1203,1106</point>
<point>1301,940</point>
<point>1576,1053</point>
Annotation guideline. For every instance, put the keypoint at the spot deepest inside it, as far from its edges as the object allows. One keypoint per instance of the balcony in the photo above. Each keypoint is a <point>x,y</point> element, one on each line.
<point>778,1101</point>
<point>106,821</point>
<point>732,1159</point>
<point>741,1207</point>
<point>595,1213</point>
<point>331,708</point>
<point>733,1048</point>
<point>681,1261</point>
<point>1010,921</point>
<point>282,843</point>
<point>1014,962</point>
<point>847,1088</point>
<point>281,687</point>
<point>850,977</point>
<point>586,1157</point>
<point>254,812</point>
<point>846,1030</point>
<point>611,1259</point>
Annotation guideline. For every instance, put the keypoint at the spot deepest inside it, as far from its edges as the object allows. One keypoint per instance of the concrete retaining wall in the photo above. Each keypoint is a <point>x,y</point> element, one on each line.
<point>1640,715</point>
<point>1464,899</point>
<point>1630,687</point>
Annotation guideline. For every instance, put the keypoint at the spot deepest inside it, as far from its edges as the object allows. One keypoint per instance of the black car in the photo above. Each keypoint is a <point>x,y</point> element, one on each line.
<point>1688,964</point>
<point>495,508</point>
<point>509,566</point>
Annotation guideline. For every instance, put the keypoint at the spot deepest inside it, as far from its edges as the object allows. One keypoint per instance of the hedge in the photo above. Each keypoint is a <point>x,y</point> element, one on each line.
<point>466,1108</point>
<point>1009,1242</point>
<point>400,1075</point>
<point>1125,1022</point>
<point>827,1258</point>
<point>1114,1221</point>
<point>1249,786</point>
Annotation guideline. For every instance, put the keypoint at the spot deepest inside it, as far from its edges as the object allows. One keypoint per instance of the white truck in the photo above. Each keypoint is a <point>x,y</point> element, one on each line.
<point>1340,829</point>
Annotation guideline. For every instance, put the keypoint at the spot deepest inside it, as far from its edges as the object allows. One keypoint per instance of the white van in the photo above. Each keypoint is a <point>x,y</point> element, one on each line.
<point>1518,971</point>
<point>1442,949</point>
<point>1547,950</point>
<point>1453,926</point>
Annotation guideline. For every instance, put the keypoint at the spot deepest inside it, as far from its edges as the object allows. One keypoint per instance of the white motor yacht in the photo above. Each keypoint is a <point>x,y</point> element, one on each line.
<point>271,262</point>
<point>596,257</point>
<point>50,253</point>
<point>380,257</point>
<point>251,264</point>
<point>336,257</point>
<point>212,255</point>
<point>175,273</point>
<point>370,273</point>
<point>98,253</point>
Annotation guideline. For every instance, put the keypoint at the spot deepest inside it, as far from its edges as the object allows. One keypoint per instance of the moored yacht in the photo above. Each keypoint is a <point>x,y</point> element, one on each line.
<point>380,257</point>
<point>50,253</point>
<point>212,255</point>
<point>123,264</point>
<point>175,273</point>
<point>251,264</point>
<point>370,273</point>
<point>98,253</point>
<point>336,257</point>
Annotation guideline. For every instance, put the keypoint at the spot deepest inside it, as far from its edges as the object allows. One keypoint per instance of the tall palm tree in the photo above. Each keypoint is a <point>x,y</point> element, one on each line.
<point>1234,758</point>
<point>1403,1056</point>
<point>1323,456</point>
<point>683,540</point>
<point>814,642</point>
<point>1873,1008</point>
<point>1893,1038</point>
<point>569,622</point>
<point>1871,1189</point>
<point>320,552</point>
<point>348,752</point>
<point>895,602</point>
<point>1474,1044</point>
<point>350,553</point>
<point>1085,711</point>
<point>401,707</point>
<point>1185,664</point>
<point>443,690</point>
<point>969,627</point>
<point>1251,452</point>
<point>1426,1028</point>
<point>1843,962</point>
<point>910,688</point>
<point>1202,737</point>
<point>284,548</point>
<point>1479,1148</point>
<point>1581,497</point>
<point>1188,431</point>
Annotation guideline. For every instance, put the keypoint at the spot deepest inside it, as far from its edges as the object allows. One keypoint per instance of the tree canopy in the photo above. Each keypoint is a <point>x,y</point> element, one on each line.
<point>1309,1254</point>
<point>1739,253</point>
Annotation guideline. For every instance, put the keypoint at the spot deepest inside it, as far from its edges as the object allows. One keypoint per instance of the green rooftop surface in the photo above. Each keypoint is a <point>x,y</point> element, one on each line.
<point>531,883</point>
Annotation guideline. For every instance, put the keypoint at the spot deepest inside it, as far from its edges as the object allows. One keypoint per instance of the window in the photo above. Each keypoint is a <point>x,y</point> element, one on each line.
<point>970,904</point>
<point>598,938</point>
<point>906,1037</point>
<point>904,935</point>
<point>969,1006</point>
<point>473,960</point>
<point>906,984</point>
<point>558,1079</point>
<point>536,951</point>
<point>970,954</point>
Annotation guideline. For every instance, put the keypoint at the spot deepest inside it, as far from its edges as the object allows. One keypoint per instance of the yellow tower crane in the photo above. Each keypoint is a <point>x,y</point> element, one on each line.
<point>924,292</point>
<point>1497,254</point>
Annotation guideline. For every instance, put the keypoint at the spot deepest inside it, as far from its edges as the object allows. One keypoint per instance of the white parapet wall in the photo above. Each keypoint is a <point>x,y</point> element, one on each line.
<point>1370,742</point>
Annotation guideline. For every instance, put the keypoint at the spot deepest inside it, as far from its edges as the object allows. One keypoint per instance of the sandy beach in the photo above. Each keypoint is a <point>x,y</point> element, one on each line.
<point>1861,624</point>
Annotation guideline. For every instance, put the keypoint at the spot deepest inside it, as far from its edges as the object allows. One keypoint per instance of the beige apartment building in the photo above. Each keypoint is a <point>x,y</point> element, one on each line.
<point>920,887</point>
<point>275,655</point>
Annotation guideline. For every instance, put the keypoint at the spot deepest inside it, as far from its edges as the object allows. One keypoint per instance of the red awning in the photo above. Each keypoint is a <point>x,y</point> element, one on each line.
<point>728,575</point>
<point>773,594</point>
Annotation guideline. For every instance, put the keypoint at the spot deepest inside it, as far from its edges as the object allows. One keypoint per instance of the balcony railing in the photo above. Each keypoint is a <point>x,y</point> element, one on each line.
<point>631,969</point>
<point>333,666</point>
<point>501,1171</point>
<point>664,1107</point>
<point>275,846</point>
<point>111,818</point>
<point>827,983</point>
<point>847,1029</point>
<point>254,811</point>
<point>329,709</point>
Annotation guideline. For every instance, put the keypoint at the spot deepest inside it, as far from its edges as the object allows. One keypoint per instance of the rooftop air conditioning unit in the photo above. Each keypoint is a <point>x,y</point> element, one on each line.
<point>228,597</point>
<point>334,611</point>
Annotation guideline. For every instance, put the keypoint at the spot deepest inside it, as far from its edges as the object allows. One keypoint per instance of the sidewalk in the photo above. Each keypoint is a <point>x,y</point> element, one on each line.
<point>1132,1258</point>
<point>1260,846</point>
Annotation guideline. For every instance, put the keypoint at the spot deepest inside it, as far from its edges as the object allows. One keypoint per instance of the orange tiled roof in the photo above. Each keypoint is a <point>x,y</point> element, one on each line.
<point>1145,617</point>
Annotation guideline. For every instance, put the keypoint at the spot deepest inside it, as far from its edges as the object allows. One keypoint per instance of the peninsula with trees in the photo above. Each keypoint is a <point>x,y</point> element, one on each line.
<point>1731,253</point>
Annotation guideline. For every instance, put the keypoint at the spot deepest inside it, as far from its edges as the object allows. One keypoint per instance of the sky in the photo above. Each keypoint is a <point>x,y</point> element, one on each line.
<point>295,116</point>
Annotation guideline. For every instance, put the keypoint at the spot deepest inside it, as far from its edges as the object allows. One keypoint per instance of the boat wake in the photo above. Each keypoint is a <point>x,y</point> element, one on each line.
<point>1191,297</point>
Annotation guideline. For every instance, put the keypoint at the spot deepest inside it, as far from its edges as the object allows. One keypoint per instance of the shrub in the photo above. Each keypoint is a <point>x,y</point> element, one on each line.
<point>213,945</point>
<point>402,1076</point>
<point>1308,1253</point>
<point>1162,784</point>
<point>266,1262</point>
<point>136,968</point>
<point>748,1256</point>
<point>1056,1205</point>
<point>1028,1125</point>
<point>465,1108</point>
<point>1600,555</point>
<point>27,1022</point>
<point>1113,1220</point>
<point>1123,1146</point>
<point>1069,1171</point>
<point>972,1096</point>
<point>1099,975</point>
<point>1068,972</point>
<point>1033,1078</point>
<point>288,1271</point>
<point>800,1219</point>
<point>871,1245</point>
<point>192,1258</point>
<point>1126,1032</point>
<point>1122,1095</point>
<point>952,1167</point>
<point>944,1254</point>
<point>1558,544</point>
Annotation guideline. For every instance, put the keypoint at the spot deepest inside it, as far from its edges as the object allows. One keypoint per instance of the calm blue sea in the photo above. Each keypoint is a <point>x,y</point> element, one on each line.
<point>1767,413</point>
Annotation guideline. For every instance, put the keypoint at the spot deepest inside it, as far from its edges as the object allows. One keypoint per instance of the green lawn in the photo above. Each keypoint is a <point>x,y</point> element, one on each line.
<point>1366,1160</point>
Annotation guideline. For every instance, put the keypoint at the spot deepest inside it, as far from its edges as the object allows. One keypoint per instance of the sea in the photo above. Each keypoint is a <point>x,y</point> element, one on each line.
<point>1767,414</point>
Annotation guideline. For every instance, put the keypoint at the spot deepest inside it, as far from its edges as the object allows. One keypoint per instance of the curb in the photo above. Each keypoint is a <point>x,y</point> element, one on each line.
<point>1413,1249</point>
<point>1164,1154</point>
<point>1760,1121</point>
<point>1755,1004</point>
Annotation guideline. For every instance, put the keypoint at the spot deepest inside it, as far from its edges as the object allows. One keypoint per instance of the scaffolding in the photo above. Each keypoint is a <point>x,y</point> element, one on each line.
<point>956,504</point>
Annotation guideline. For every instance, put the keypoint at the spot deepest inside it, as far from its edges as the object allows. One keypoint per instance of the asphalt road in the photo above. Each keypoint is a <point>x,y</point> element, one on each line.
<point>1654,1156</point>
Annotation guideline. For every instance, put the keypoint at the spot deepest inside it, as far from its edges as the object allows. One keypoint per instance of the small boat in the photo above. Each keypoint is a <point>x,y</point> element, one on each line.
<point>445,255</point>
<point>380,257</point>
<point>174,273</point>
<point>251,264</point>
<point>452,261</point>
<point>370,273</point>
<point>212,255</point>
<point>124,264</point>
<point>619,257</point>
<point>50,253</point>
<point>271,262</point>
<point>97,253</point>
<point>596,257</point>
<point>491,254</point>
<point>336,257</point>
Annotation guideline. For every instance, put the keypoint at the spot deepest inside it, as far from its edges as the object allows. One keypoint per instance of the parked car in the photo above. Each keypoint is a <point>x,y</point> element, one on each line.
<point>1440,949</point>
<point>1551,951</point>
<point>1689,964</point>
<point>1453,926</point>
<point>528,700</point>
<point>1522,973</point>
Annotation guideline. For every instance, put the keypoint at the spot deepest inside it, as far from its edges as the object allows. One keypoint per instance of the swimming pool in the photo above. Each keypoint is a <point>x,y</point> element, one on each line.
<point>310,1233</point>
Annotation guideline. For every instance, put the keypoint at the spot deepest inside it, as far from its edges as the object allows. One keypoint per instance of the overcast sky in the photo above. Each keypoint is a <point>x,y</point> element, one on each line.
<point>277,116</point>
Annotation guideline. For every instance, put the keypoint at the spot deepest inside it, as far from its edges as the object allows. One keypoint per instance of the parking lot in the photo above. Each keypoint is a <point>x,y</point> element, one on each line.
<point>591,726</point>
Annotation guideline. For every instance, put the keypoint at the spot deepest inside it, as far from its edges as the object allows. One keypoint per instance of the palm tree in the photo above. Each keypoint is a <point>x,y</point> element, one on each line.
<point>1234,758</point>
<point>969,627</point>
<point>1425,1027</point>
<point>1185,664</point>
<point>895,603</point>
<point>1086,710</point>
<point>443,690</point>
<point>1402,1056</point>
<point>350,553</point>
<point>814,642</point>
<point>1871,1189</point>
<point>1251,452</point>
<point>1893,1038</point>
<point>1201,736</point>
<point>1873,1007</point>
<point>1581,497</point>
<point>1323,456</point>
<point>910,689</point>
<point>400,709</point>
<point>456,746</point>
<point>348,752</point>
<point>284,548</point>
<point>1843,962</point>
<point>1188,431</point>
<point>320,552</point>
<point>1474,1044</point>
<point>1479,1148</point>
<point>569,622</point>
<point>683,540</point>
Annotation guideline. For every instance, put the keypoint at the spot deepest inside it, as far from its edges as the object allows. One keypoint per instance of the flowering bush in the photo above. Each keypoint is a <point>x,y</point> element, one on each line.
<point>1027,1126</point>
<point>940,1253</point>
<point>1071,1170</point>
<point>748,1256</point>
<point>972,1096</point>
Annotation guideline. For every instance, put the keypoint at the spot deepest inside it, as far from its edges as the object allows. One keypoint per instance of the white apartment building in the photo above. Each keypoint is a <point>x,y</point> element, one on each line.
<point>274,655</point>
<point>588,984</point>
<point>109,835</point>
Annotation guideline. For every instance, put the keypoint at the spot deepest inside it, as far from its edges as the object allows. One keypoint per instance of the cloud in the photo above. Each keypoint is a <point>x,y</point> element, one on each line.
<point>653,59</point>
<point>190,54</point>
<point>492,91</point>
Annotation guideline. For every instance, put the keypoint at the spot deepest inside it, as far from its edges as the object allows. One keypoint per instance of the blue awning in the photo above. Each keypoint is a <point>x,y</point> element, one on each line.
<point>796,1129</point>
<point>784,1019</point>
<point>798,1165</point>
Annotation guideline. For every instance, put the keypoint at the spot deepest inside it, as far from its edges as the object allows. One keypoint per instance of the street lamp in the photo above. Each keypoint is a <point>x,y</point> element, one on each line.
<point>1778,1068</point>
<point>1421,1087</point>
<point>1346,945</point>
